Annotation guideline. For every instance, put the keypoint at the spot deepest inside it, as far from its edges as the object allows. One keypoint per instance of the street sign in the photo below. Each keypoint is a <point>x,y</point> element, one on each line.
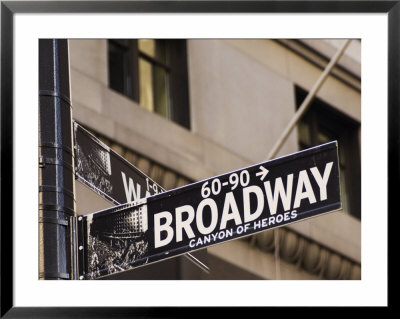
<point>107,173</point>
<point>115,179</point>
<point>250,200</point>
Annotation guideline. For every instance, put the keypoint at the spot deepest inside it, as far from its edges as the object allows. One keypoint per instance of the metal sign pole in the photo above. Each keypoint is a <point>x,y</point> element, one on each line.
<point>56,165</point>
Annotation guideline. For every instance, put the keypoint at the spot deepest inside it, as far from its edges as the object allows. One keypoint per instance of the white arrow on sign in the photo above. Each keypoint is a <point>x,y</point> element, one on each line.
<point>263,172</point>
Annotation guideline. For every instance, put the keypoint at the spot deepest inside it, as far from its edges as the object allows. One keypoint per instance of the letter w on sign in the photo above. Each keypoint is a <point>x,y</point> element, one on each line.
<point>225,207</point>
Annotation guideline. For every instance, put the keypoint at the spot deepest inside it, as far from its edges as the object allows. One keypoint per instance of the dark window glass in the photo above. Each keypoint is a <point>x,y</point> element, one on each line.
<point>154,74</point>
<point>322,123</point>
<point>117,56</point>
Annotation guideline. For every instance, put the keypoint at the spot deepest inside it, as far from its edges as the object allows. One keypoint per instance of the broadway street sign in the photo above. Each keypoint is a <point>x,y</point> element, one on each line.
<point>254,199</point>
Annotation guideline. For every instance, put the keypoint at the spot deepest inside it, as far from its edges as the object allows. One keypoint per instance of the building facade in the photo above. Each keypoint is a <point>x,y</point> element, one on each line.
<point>186,110</point>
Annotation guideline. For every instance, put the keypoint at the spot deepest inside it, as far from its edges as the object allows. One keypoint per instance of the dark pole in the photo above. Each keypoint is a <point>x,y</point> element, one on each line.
<point>56,165</point>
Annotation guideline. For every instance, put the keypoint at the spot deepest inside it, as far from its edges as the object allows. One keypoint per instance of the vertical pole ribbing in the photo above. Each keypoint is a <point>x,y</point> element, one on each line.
<point>56,165</point>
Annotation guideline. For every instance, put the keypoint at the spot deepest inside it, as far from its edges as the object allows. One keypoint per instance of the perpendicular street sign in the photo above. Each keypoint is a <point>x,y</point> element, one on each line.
<point>107,173</point>
<point>237,204</point>
<point>115,179</point>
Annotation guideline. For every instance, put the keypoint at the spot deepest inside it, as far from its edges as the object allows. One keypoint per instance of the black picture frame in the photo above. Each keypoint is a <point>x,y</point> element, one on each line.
<point>10,8</point>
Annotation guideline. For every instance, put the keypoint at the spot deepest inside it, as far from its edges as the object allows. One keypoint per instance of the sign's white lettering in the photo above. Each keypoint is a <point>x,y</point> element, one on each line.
<point>163,221</point>
<point>132,193</point>
<point>133,190</point>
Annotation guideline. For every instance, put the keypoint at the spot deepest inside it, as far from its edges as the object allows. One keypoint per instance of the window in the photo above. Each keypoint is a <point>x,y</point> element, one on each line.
<point>153,73</point>
<point>322,123</point>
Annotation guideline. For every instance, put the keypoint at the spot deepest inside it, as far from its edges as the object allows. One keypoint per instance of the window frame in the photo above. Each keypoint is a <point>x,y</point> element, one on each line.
<point>321,117</point>
<point>178,88</point>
